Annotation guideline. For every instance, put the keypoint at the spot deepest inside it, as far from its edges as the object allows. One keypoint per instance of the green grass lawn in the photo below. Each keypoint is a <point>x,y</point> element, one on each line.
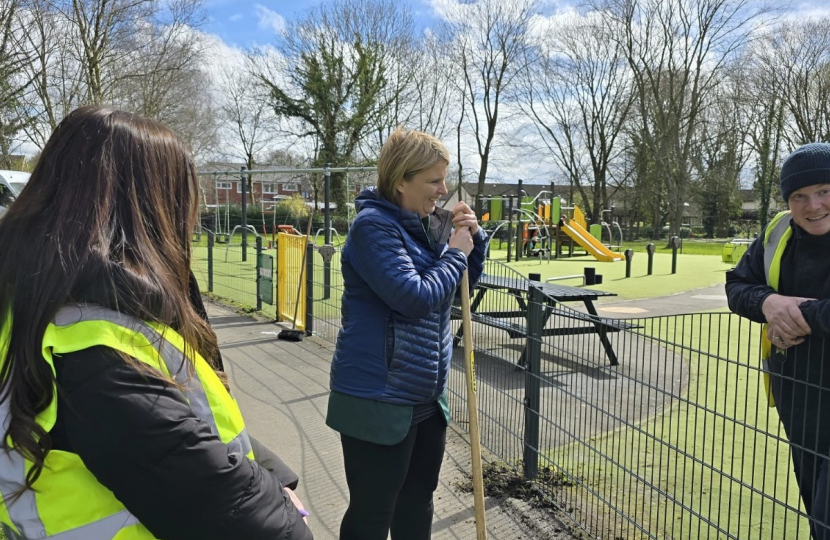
<point>722,423</point>
<point>689,246</point>
<point>235,280</point>
<point>693,272</point>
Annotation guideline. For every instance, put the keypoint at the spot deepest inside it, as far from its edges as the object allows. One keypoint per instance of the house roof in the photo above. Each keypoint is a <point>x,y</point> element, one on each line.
<point>531,190</point>
<point>232,170</point>
<point>748,195</point>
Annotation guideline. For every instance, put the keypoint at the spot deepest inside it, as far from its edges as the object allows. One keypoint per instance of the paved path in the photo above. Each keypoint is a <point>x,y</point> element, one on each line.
<point>282,388</point>
<point>696,301</point>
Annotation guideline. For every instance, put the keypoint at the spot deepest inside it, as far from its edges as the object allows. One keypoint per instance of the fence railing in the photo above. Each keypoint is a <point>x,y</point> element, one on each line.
<point>677,441</point>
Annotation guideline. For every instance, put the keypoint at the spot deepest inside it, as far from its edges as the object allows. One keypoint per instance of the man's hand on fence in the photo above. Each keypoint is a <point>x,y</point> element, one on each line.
<point>787,326</point>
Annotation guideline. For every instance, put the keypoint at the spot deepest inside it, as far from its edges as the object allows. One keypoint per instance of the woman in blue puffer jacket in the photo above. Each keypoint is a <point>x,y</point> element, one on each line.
<point>402,263</point>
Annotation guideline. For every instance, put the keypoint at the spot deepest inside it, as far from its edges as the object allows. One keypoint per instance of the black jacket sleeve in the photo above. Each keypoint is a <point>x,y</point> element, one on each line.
<point>272,463</point>
<point>817,315</point>
<point>746,285</point>
<point>139,437</point>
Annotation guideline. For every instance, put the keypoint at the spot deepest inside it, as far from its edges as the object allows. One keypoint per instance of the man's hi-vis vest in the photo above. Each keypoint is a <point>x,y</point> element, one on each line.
<point>776,236</point>
<point>68,503</point>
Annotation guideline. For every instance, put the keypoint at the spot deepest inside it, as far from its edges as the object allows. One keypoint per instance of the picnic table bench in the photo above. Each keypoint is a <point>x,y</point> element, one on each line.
<point>553,295</point>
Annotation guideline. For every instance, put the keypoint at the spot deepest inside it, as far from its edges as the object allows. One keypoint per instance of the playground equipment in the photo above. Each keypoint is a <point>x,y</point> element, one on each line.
<point>221,223</point>
<point>274,200</point>
<point>581,236</point>
<point>607,227</point>
<point>536,235</point>
<point>331,230</point>
<point>230,237</point>
<point>534,223</point>
<point>734,250</point>
<point>543,226</point>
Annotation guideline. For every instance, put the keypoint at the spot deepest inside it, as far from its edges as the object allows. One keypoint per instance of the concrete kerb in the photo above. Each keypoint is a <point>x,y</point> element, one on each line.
<point>282,388</point>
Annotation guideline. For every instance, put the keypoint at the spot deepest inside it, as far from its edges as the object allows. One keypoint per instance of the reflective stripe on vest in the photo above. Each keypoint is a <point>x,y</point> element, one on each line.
<point>103,528</point>
<point>23,511</point>
<point>776,231</point>
<point>173,358</point>
<point>777,234</point>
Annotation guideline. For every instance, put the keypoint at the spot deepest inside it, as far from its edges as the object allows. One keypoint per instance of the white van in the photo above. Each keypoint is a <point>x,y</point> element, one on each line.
<point>15,181</point>
<point>11,184</point>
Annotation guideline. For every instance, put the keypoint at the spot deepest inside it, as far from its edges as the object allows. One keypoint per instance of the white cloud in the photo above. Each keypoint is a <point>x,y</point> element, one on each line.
<point>448,10</point>
<point>268,19</point>
<point>222,57</point>
<point>810,10</point>
<point>235,17</point>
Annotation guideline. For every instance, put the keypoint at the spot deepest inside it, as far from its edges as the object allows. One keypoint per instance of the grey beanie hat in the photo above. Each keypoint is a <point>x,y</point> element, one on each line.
<point>806,166</point>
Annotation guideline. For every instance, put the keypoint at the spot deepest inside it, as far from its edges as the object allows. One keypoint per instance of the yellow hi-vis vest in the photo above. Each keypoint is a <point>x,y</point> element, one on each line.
<point>776,236</point>
<point>67,502</point>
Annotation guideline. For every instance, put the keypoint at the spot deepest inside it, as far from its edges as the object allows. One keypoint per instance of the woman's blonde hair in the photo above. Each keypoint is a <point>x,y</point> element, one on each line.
<point>405,154</point>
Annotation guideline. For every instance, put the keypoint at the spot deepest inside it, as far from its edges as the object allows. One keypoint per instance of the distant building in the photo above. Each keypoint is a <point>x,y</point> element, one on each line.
<point>507,189</point>
<point>751,203</point>
<point>221,184</point>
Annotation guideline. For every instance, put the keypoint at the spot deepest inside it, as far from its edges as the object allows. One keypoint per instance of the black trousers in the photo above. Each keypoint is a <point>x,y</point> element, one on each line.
<point>804,413</point>
<point>812,472</point>
<point>391,487</point>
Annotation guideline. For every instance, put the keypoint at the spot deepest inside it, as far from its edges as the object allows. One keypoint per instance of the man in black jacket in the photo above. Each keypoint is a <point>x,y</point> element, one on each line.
<point>783,280</point>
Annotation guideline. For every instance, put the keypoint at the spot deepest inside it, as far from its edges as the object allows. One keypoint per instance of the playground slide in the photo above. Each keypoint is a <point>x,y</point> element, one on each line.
<point>588,242</point>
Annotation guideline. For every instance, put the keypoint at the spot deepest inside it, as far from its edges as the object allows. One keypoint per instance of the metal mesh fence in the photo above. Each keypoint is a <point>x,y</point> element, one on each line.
<point>637,428</point>
<point>226,270</point>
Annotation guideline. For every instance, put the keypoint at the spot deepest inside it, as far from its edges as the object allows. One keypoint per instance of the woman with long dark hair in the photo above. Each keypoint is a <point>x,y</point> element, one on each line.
<point>116,425</point>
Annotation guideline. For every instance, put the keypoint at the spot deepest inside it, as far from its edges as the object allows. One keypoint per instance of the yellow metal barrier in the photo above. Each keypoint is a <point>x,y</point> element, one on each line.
<point>290,277</point>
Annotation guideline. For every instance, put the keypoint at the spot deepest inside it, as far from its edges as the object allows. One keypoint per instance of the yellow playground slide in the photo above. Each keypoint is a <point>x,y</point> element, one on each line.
<point>588,242</point>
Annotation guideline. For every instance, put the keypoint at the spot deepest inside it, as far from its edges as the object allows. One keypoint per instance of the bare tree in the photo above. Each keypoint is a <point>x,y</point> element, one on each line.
<point>490,51</point>
<point>676,51</point>
<point>102,29</point>
<point>797,54</point>
<point>136,54</point>
<point>246,111</point>
<point>720,155</point>
<point>162,55</point>
<point>421,99</point>
<point>57,80</point>
<point>190,109</point>
<point>765,112</point>
<point>578,94</point>
<point>338,80</point>
<point>14,81</point>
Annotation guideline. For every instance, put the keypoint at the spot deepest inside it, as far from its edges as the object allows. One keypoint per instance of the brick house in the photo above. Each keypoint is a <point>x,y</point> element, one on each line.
<point>221,184</point>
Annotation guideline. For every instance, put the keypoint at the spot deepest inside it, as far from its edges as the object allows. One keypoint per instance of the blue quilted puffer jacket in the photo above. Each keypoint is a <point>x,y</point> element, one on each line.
<point>395,341</point>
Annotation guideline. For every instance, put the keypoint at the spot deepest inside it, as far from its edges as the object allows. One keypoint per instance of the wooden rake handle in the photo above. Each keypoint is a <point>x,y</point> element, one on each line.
<point>302,270</point>
<point>472,408</point>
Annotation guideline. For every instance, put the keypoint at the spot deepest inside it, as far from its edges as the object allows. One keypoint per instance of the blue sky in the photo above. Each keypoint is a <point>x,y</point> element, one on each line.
<point>242,23</point>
